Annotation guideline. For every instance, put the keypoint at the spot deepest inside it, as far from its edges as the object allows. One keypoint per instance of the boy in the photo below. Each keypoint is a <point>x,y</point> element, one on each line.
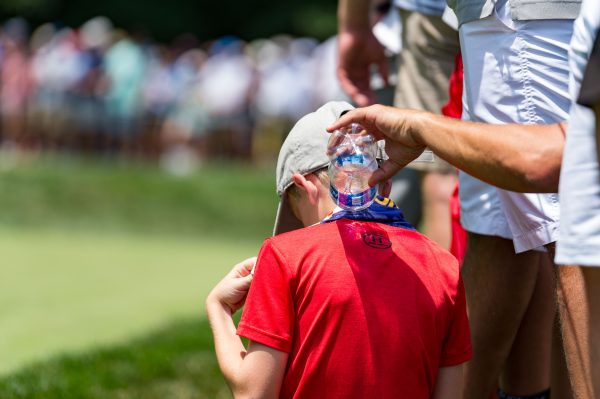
<point>357,306</point>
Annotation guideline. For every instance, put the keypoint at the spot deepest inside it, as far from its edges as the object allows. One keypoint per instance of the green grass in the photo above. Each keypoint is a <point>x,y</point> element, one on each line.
<point>95,254</point>
<point>234,200</point>
<point>67,292</point>
<point>176,363</point>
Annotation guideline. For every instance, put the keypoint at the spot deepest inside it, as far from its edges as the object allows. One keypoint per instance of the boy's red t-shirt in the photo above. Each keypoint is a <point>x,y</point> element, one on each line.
<point>365,310</point>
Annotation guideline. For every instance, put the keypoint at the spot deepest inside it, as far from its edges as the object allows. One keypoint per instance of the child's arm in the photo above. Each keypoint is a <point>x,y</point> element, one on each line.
<point>258,371</point>
<point>449,383</point>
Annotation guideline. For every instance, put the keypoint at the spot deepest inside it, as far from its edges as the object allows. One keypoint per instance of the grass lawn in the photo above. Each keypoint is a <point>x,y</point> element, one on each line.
<point>104,271</point>
<point>63,292</point>
<point>176,362</point>
<point>228,199</point>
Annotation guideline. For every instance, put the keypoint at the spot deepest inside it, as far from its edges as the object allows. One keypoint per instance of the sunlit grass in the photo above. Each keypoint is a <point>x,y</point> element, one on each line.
<point>95,254</point>
<point>63,292</point>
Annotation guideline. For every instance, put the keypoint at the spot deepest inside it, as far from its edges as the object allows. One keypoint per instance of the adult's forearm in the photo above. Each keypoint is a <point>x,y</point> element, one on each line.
<point>353,15</point>
<point>515,157</point>
<point>524,158</point>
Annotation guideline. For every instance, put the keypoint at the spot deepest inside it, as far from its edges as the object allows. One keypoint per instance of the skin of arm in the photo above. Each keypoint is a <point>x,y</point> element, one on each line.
<point>449,383</point>
<point>522,158</point>
<point>256,372</point>
<point>358,49</point>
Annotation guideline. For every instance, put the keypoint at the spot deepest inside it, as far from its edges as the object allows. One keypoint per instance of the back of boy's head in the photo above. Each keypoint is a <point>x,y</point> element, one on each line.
<point>303,152</point>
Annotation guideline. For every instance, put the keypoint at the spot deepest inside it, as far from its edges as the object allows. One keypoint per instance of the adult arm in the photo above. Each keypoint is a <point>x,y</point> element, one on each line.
<point>449,383</point>
<point>358,49</point>
<point>256,372</point>
<point>524,158</point>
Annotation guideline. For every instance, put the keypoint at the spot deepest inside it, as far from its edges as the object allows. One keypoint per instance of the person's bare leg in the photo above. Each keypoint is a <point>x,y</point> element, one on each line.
<point>559,375</point>
<point>436,189</point>
<point>591,276</point>
<point>574,320</point>
<point>499,285</point>
<point>527,369</point>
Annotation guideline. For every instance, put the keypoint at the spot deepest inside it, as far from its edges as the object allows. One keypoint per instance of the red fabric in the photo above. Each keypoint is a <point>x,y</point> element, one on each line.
<point>458,244</point>
<point>453,108</point>
<point>365,310</point>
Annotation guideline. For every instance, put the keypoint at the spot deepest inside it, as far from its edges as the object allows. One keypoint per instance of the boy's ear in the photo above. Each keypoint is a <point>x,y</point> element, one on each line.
<point>307,186</point>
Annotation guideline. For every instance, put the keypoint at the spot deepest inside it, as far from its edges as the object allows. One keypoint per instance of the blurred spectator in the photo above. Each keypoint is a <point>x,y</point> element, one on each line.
<point>125,66</point>
<point>57,69</point>
<point>159,91</point>
<point>183,135</point>
<point>14,80</point>
<point>325,78</point>
<point>225,83</point>
<point>88,106</point>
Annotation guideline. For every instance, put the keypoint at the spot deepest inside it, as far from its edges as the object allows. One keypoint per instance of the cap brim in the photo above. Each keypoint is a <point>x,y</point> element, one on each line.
<point>285,220</point>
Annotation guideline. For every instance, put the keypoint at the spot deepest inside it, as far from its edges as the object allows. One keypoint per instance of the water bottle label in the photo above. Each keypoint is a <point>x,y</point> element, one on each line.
<point>353,200</point>
<point>354,159</point>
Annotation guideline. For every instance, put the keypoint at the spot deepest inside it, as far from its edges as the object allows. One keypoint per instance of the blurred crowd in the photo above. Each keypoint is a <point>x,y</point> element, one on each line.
<point>99,89</point>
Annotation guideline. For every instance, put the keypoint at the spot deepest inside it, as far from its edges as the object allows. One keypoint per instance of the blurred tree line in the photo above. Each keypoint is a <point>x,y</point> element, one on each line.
<point>164,20</point>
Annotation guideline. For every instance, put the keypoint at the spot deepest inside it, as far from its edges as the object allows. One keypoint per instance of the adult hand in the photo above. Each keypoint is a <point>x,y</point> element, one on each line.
<point>396,127</point>
<point>357,51</point>
<point>231,291</point>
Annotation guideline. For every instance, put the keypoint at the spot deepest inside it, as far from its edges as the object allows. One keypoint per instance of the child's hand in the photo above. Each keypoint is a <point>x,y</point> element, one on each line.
<point>232,290</point>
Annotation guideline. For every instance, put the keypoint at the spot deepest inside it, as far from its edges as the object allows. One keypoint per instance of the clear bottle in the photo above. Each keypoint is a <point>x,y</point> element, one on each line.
<point>352,152</point>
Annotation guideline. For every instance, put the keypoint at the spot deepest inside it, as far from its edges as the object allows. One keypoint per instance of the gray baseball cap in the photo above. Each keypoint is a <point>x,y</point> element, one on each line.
<point>303,151</point>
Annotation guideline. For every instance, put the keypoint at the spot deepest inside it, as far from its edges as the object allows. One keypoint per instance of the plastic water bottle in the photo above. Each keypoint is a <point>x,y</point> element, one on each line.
<point>352,152</point>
